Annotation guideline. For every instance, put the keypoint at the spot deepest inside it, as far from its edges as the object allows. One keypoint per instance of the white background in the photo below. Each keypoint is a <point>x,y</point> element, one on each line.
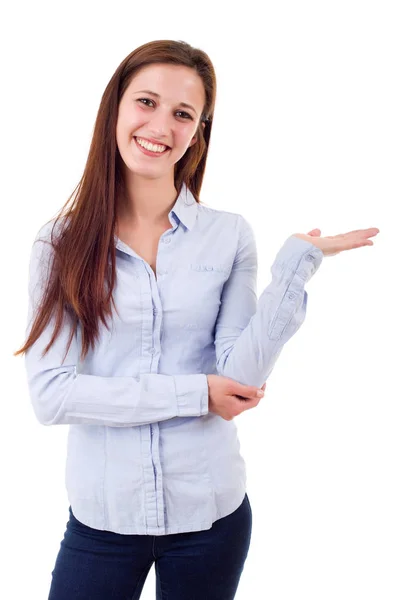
<point>306,134</point>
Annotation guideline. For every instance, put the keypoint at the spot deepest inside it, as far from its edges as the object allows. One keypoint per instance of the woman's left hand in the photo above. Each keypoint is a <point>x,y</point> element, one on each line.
<point>333,244</point>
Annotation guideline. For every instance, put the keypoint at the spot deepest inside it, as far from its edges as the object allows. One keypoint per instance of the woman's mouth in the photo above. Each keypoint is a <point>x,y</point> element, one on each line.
<point>151,149</point>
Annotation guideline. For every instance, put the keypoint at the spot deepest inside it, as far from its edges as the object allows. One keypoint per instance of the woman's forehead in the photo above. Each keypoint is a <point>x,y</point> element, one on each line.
<point>169,80</point>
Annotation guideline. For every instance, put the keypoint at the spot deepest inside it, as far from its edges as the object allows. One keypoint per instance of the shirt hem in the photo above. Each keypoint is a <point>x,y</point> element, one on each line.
<point>186,528</point>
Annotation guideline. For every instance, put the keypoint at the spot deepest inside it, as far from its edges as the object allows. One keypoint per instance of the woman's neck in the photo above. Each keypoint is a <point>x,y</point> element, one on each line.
<point>147,202</point>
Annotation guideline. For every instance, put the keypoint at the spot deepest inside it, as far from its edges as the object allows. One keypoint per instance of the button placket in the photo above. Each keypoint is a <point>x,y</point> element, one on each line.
<point>150,336</point>
<point>165,239</point>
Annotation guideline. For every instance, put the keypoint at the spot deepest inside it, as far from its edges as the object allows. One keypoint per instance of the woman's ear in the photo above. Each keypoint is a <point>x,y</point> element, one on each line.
<point>194,138</point>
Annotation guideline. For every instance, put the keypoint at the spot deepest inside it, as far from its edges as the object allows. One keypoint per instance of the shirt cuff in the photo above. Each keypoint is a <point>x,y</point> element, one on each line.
<point>298,257</point>
<point>192,395</point>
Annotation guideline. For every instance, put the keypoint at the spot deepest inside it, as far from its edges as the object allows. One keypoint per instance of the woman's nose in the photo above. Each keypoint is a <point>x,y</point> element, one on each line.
<point>160,125</point>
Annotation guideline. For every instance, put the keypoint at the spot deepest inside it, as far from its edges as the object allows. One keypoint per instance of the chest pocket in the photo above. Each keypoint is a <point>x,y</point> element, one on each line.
<point>195,294</point>
<point>216,268</point>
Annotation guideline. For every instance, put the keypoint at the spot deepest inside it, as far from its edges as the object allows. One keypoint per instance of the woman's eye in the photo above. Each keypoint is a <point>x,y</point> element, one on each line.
<point>185,113</point>
<point>187,116</point>
<point>147,99</point>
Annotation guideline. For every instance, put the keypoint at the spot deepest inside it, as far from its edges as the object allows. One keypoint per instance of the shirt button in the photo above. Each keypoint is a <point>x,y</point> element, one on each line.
<point>155,311</point>
<point>291,295</point>
<point>152,351</point>
<point>166,240</point>
<point>309,257</point>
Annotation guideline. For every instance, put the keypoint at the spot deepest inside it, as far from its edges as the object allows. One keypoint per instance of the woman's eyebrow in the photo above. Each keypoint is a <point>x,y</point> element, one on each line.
<point>184,104</point>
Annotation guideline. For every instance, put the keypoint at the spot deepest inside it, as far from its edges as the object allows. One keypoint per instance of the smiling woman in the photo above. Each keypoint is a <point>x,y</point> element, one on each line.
<point>146,337</point>
<point>158,120</point>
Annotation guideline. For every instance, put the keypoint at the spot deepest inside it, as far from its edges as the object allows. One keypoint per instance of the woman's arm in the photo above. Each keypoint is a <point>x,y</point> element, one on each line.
<point>60,395</point>
<point>250,334</point>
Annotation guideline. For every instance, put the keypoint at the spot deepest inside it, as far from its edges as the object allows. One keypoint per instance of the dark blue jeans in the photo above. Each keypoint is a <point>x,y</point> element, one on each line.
<point>202,565</point>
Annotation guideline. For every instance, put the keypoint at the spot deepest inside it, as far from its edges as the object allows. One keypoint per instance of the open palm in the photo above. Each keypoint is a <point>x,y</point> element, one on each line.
<point>333,244</point>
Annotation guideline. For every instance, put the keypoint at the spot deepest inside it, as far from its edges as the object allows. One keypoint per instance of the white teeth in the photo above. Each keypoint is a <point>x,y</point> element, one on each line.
<point>150,146</point>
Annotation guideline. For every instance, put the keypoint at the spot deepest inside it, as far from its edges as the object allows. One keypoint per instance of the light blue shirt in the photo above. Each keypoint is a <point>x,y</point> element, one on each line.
<point>145,456</point>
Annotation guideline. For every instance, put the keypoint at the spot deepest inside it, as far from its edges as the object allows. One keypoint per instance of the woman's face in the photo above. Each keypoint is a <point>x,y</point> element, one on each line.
<point>161,118</point>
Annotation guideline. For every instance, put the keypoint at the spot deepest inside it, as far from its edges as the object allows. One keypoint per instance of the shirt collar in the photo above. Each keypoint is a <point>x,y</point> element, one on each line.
<point>185,207</point>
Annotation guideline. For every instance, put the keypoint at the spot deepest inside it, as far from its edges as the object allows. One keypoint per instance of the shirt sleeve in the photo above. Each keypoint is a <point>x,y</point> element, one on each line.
<point>251,333</point>
<point>61,395</point>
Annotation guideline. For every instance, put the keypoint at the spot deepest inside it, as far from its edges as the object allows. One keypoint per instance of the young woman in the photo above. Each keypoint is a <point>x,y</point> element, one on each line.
<point>147,339</point>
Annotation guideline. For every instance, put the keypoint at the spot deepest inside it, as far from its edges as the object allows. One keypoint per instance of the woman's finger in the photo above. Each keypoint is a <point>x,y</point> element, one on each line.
<point>244,391</point>
<point>356,233</point>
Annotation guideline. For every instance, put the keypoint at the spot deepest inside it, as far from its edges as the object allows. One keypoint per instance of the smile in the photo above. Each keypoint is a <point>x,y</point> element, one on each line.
<point>151,149</point>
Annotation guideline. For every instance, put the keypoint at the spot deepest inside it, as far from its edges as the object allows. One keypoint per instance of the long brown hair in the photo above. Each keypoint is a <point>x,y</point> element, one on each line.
<point>84,250</point>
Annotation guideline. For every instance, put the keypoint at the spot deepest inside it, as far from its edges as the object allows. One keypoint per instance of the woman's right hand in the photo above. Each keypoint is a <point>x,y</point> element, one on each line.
<point>228,398</point>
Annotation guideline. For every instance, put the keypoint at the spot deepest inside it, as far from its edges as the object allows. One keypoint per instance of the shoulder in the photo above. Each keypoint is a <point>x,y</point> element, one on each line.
<point>42,249</point>
<point>50,230</point>
<point>224,219</point>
